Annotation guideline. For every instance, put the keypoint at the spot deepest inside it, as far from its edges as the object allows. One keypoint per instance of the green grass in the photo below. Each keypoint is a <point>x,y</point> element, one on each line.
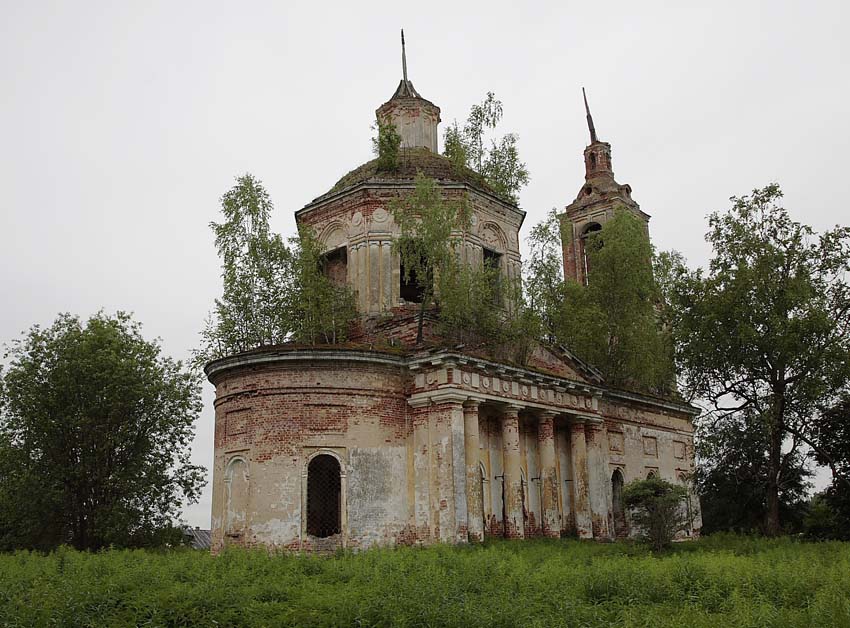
<point>718,582</point>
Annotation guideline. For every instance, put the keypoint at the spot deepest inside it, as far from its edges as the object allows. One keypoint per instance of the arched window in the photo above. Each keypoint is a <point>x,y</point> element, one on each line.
<point>617,499</point>
<point>652,474</point>
<point>323,496</point>
<point>236,497</point>
<point>585,241</point>
<point>592,161</point>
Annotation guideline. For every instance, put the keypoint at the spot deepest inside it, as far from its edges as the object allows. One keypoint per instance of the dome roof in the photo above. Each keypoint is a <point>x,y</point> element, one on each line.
<point>411,161</point>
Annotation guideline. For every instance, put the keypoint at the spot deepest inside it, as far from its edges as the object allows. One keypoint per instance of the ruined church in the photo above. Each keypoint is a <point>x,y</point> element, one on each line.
<point>381,441</point>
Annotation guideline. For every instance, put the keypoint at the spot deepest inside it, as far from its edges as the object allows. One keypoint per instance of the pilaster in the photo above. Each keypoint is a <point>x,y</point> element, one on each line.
<point>475,516</point>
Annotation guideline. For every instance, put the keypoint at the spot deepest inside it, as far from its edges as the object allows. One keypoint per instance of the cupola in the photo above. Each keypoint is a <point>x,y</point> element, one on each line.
<point>414,117</point>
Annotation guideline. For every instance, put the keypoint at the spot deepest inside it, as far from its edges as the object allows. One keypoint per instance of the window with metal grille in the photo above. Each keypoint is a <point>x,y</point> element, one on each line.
<point>323,496</point>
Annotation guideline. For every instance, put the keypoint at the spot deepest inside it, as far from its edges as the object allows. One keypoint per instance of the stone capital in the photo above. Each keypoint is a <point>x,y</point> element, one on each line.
<point>511,411</point>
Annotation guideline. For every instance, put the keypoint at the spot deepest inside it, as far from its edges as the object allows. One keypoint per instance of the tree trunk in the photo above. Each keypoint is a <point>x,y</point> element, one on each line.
<point>773,526</point>
<point>421,320</point>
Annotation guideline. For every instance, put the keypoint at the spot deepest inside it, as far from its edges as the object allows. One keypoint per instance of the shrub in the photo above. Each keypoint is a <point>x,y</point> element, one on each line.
<point>656,509</point>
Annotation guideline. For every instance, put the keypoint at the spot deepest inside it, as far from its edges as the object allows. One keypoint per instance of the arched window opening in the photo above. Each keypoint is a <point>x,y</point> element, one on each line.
<point>652,474</point>
<point>411,286</point>
<point>592,161</point>
<point>334,265</point>
<point>493,262</point>
<point>587,240</point>
<point>620,527</point>
<point>324,496</point>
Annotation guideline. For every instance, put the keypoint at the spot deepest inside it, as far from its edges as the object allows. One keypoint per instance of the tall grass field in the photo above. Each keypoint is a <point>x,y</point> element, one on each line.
<point>717,582</point>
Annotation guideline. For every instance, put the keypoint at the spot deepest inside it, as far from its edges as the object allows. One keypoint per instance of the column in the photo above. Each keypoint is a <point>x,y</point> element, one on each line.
<point>386,276</point>
<point>513,523</point>
<point>359,282</point>
<point>548,474</point>
<point>599,482</point>
<point>578,456</point>
<point>374,277</point>
<point>475,517</point>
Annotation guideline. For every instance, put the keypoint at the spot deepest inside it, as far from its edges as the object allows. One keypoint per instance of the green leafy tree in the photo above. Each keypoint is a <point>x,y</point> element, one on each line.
<point>766,329</point>
<point>831,434</point>
<point>613,322</point>
<point>732,477</point>
<point>95,434</point>
<point>319,311</point>
<point>256,266</point>
<point>479,306</point>
<point>386,145</point>
<point>822,522</point>
<point>272,293</point>
<point>500,162</point>
<point>430,226</point>
<point>655,508</point>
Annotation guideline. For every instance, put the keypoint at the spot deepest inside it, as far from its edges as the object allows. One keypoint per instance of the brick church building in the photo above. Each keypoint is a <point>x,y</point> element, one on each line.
<point>355,446</point>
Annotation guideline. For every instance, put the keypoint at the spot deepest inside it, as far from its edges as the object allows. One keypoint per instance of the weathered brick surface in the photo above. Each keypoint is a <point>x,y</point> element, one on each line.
<point>433,445</point>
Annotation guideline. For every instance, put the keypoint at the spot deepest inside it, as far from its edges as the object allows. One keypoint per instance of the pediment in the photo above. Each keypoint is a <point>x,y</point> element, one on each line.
<point>560,362</point>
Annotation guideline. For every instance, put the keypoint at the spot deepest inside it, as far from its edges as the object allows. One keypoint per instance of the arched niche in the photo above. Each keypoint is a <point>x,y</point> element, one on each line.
<point>237,484</point>
<point>617,504</point>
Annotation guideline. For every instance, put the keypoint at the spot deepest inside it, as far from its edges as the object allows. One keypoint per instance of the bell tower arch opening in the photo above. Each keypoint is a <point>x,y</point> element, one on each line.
<point>599,198</point>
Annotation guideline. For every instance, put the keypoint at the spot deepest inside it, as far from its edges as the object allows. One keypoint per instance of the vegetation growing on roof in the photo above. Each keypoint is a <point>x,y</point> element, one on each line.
<point>498,163</point>
<point>410,162</point>
<point>386,145</point>
<point>272,293</point>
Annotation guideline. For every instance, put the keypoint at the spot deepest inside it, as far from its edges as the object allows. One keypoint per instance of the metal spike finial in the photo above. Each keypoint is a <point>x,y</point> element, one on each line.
<point>590,126</point>
<point>403,57</point>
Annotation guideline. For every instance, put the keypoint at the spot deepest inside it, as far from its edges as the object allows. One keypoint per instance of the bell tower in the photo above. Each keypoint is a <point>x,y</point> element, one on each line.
<point>597,200</point>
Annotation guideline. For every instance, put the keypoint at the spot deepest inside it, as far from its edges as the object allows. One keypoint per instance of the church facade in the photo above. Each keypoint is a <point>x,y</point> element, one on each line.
<point>382,442</point>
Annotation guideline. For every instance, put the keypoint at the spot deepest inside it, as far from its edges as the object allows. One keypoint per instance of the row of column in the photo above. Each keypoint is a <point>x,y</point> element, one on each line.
<point>589,470</point>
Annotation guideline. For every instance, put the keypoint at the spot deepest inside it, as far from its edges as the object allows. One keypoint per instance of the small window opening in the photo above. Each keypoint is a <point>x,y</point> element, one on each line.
<point>592,161</point>
<point>323,496</point>
<point>334,265</point>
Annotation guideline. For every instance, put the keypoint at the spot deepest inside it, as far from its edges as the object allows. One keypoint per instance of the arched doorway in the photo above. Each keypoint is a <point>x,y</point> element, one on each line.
<point>324,496</point>
<point>620,526</point>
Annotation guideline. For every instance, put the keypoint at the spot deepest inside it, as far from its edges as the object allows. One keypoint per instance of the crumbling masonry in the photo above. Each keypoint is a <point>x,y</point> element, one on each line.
<point>348,446</point>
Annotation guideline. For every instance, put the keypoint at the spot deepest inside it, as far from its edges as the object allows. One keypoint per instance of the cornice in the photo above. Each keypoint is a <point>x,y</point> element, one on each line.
<point>442,359</point>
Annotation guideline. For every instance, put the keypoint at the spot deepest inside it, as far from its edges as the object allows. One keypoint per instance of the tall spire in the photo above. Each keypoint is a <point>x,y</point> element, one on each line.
<point>403,57</point>
<point>590,126</point>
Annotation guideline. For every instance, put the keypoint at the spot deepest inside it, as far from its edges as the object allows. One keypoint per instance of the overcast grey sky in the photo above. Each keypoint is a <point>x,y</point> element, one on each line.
<point>121,124</point>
